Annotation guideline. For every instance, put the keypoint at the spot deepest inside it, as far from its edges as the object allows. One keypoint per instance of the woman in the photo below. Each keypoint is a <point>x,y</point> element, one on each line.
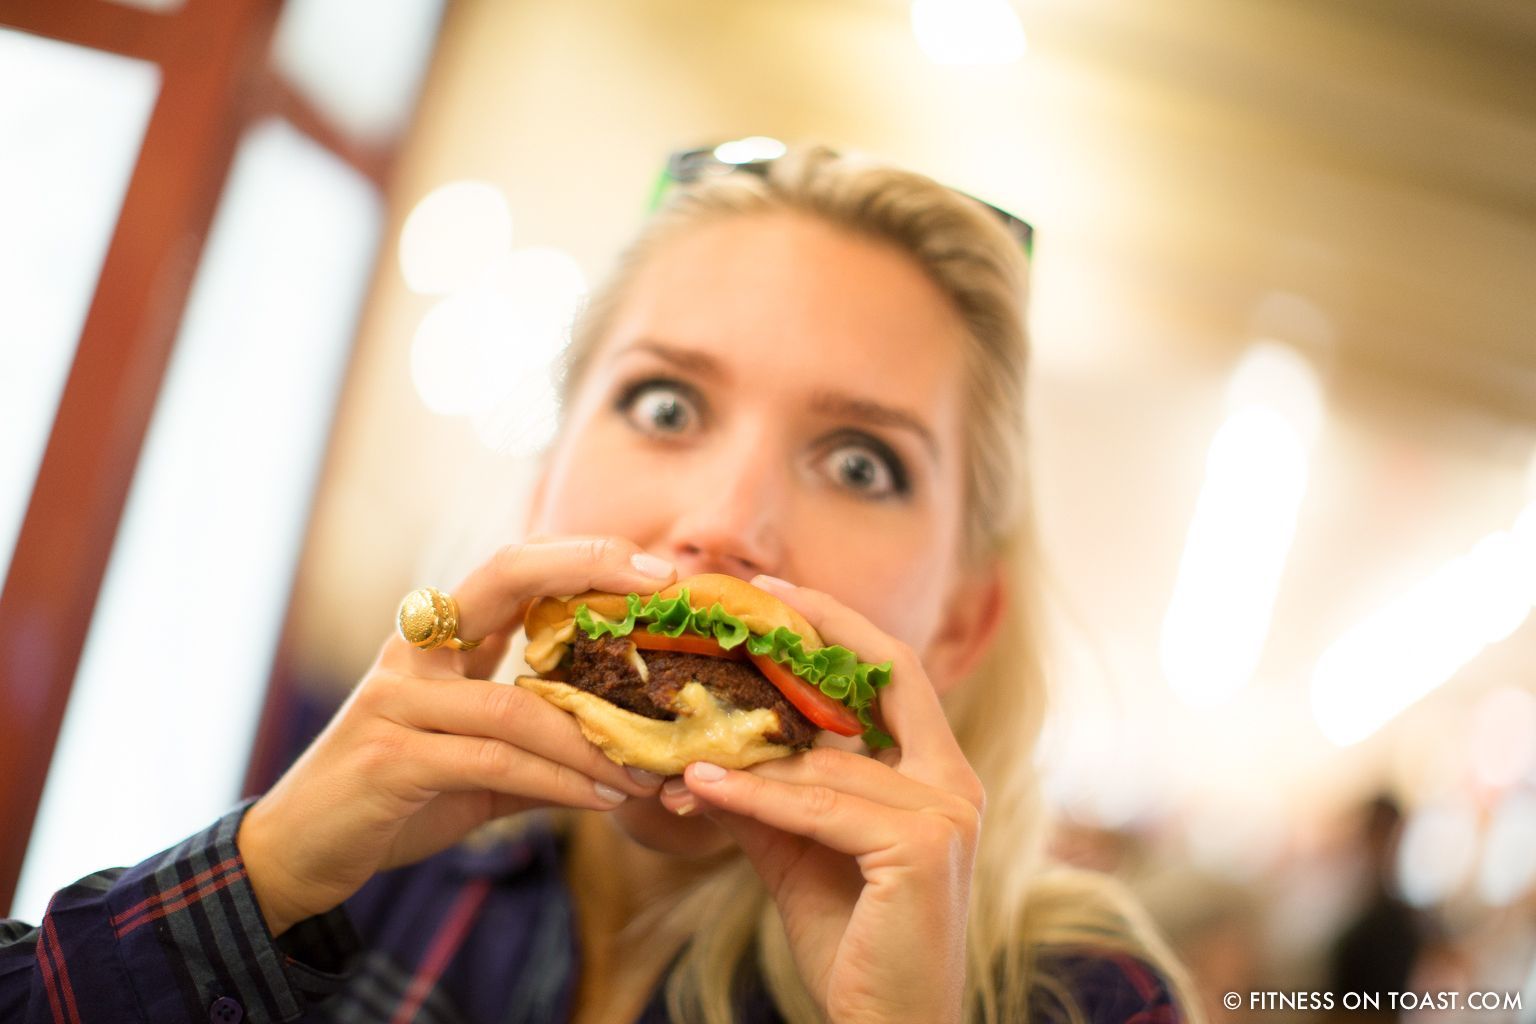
<point>814,376</point>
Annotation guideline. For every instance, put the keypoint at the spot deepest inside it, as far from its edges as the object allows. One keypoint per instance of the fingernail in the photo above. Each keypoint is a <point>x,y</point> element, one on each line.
<point>675,787</point>
<point>772,583</point>
<point>649,565</point>
<point>686,809</point>
<point>706,772</point>
<point>643,777</point>
<point>608,793</point>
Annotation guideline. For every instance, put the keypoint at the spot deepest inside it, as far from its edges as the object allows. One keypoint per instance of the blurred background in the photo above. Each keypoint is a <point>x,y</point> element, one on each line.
<point>1284,403</point>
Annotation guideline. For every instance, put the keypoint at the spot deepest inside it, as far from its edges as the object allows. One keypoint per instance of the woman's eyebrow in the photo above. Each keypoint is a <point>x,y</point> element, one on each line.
<point>701,363</point>
<point>840,405</point>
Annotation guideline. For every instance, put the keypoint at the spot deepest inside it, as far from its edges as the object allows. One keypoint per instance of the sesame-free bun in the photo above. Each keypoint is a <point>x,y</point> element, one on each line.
<point>551,624</point>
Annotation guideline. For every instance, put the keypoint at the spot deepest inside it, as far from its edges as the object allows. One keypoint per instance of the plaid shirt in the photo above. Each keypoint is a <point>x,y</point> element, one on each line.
<point>465,937</point>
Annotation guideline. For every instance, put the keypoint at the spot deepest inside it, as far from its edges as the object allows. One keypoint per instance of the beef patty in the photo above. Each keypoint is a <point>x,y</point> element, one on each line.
<point>603,667</point>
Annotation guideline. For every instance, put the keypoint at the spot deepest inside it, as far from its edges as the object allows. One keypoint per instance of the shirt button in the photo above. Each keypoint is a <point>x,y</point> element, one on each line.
<point>226,1011</point>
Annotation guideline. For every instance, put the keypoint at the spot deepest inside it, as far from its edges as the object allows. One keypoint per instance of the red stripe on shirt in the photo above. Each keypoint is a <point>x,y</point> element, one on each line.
<point>174,890</point>
<point>450,936</point>
<point>52,935</point>
<point>50,980</point>
<point>185,901</point>
<point>1140,978</point>
<point>46,963</point>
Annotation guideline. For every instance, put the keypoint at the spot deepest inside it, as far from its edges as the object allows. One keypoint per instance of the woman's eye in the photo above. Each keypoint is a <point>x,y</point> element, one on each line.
<point>864,470</point>
<point>658,407</point>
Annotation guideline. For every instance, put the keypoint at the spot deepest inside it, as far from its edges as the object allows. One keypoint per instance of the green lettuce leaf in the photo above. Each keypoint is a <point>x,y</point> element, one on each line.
<point>834,670</point>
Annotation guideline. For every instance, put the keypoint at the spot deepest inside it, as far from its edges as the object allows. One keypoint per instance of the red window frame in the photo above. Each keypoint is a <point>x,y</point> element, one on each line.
<point>215,81</point>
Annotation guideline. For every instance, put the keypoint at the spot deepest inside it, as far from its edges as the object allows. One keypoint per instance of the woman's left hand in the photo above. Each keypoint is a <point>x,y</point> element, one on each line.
<point>868,859</point>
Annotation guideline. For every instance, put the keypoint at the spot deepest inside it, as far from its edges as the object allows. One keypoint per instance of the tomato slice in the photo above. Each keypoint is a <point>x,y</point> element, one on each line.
<point>824,712</point>
<point>687,643</point>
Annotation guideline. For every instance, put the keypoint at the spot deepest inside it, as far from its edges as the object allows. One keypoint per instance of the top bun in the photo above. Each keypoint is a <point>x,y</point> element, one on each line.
<point>551,621</point>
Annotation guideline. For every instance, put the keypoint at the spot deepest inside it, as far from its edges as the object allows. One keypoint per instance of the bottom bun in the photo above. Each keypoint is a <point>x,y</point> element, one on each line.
<point>704,730</point>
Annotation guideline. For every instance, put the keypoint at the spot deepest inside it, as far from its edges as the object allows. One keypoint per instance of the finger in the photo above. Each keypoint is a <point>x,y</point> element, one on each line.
<point>442,763</point>
<point>475,707</point>
<point>839,821</point>
<point>860,776</point>
<point>775,853</point>
<point>482,662</point>
<point>845,772</point>
<point>909,705</point>
<point>492,598</point>
<point>758,841</point>
<point>675,797</point>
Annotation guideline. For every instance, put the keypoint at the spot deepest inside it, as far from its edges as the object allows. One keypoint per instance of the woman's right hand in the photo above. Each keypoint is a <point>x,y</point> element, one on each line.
<point>426,748</point>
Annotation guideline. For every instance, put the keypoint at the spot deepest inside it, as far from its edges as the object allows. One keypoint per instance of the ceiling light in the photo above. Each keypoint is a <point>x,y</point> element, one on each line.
<point>968,31</point>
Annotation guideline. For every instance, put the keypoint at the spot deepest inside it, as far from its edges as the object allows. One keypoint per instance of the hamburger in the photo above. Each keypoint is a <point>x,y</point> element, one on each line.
<point>709,669</point>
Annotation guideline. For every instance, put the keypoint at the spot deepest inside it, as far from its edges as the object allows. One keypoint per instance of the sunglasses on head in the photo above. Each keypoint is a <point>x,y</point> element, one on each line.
<point>756,154</point>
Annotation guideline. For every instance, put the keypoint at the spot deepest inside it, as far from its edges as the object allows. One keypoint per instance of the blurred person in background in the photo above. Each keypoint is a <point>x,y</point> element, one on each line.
<point>813,373</point>
<point>1378,948</point>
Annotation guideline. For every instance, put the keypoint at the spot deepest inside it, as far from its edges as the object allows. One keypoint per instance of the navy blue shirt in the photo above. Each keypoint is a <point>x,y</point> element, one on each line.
<point>465,937</point>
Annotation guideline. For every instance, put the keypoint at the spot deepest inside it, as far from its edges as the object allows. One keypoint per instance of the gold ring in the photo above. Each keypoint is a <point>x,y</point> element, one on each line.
<point>429,619</point>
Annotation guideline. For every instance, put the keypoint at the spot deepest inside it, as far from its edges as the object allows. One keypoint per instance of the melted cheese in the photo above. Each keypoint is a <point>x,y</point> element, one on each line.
<point>638,663</point>
<point>704,730</point>
<point>545,653</point>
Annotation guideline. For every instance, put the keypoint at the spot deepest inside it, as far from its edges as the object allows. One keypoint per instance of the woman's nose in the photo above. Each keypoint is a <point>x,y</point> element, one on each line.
<point>732,521</point>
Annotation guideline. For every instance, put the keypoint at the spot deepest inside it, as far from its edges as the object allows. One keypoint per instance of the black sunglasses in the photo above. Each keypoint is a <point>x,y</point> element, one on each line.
<point>755,155</point>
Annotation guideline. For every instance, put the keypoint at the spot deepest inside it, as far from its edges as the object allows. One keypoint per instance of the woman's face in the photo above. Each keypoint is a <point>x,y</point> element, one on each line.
<point>777,395</point>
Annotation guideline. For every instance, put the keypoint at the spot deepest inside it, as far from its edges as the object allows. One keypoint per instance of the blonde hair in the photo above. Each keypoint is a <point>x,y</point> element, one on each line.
<point>1021,906</point>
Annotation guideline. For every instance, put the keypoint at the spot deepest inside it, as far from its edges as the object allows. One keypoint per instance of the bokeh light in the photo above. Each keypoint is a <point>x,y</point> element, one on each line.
<point>1437,851</point>
<point>1419,641</point>
<point>478,346</point>
<point>523,419</point>
<point>1241,532</point>
<point>1503,736</point>
<point>1508,866</point>
<point>968,31</point>
<point>454,234</point>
